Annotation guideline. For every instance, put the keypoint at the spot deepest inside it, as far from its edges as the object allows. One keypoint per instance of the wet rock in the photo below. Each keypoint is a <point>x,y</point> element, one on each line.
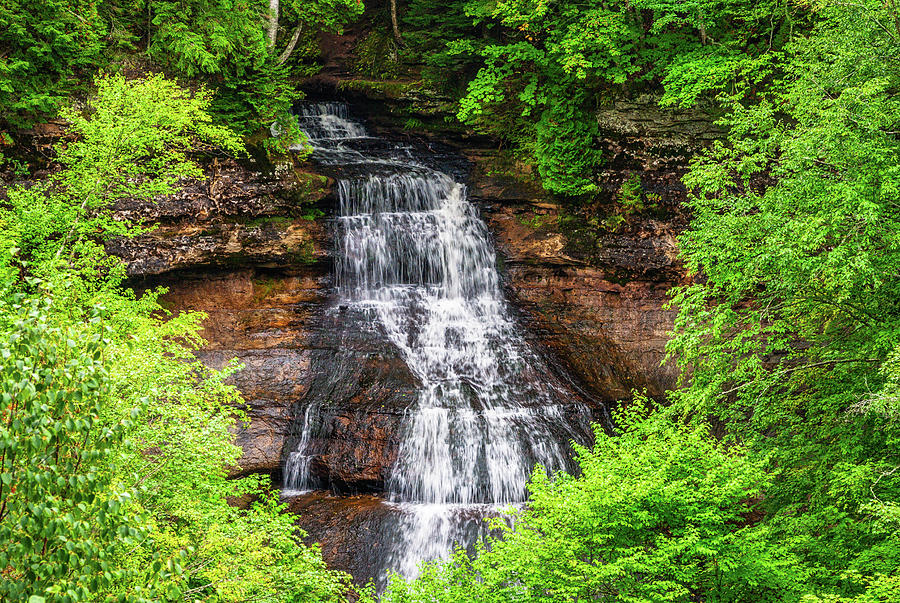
<point>270,380</point>
<point>605,319</point>
<point>243,247</point>
<point>360,534</point>
<point>295,349</point>
<point>259,317</point>
<point>359,389</point>
<point>350,530</point>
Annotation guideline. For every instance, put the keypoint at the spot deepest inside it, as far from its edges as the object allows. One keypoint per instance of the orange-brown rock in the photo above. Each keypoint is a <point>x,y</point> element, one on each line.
<point>605,319</point>
<point>239,247</point>
<point>261,318</point>
<point>350,529</point>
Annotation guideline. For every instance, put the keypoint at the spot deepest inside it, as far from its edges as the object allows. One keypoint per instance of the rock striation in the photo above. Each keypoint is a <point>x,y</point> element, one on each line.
<point>243,247</point>
<point>596,289</point>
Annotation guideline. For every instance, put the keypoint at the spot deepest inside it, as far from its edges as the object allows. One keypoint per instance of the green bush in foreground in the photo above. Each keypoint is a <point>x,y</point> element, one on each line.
<point>115,441</point>
<point>661,512</point>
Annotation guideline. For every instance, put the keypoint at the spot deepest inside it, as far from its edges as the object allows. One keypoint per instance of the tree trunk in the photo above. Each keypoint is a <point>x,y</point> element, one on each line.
<point>394,24</point>
<point>273,22</point>
<point>291,45</point>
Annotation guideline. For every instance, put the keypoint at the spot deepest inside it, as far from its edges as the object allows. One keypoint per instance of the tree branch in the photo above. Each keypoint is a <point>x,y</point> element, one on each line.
<point>291,45</point>
<point>801,367</point>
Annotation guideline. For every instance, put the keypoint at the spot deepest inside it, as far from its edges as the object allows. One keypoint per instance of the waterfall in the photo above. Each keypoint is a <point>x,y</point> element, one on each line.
<point>413,255</point>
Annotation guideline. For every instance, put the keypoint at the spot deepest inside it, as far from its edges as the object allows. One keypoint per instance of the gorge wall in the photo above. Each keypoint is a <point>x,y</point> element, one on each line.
<point>247,248</point>
<point>594,288</point>
<point>242,247</point>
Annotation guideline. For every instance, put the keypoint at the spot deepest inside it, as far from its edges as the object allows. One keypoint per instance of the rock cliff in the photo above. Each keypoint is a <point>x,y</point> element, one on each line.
<point>250,246</point>
<point>244,246</point>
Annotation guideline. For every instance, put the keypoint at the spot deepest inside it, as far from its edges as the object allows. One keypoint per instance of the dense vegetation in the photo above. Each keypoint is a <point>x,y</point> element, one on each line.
<point>540,68</point>
<point>114,440</point>
<point>50,50</point>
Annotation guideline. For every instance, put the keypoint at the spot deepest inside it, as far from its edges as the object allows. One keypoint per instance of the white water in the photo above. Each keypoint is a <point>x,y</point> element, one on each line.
<point>297,477</point>
<point>413,254</point>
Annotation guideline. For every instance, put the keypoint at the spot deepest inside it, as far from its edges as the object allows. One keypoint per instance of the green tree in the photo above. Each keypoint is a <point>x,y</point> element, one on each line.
<point>49,49</point>
<point>792,332</point>
<point>45,49</point>
<point>183,485</point>
<point>226,43</point>
<point>551,64</point>
<point>62,516</point>
<point>133,140</point>
<point>658,513</point>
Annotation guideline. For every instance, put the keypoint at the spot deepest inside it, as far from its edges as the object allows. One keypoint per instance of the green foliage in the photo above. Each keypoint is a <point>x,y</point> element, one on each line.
<point>554,69</point>
<point>630,195</point>
<point>377,55</point>
<point>792,334</point>
<point>225,42</point>
<point>542,68</point>
<point>658,513</point>
<point>45,47</point>
<point>565,150</point>
<point>116,443</point>
<point>534,220</point>
<point>120,486</point>
<point>414,123</point>
<point>207,36</point>
<point>443,38</point>
<point>631,201</point>
<point>48,47</point>
<point>62,516</point>
<point>132,141</point>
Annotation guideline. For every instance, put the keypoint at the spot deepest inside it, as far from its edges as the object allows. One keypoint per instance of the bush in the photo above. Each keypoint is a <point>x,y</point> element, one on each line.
<point>660,512</point>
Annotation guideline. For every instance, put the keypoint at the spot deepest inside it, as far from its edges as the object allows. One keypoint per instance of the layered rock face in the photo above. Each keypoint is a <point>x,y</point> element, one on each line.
<point>261,318</point>
<point>610,329</point>
<point>241,246</point>
<point>243,214</point>
<point>593,288</point>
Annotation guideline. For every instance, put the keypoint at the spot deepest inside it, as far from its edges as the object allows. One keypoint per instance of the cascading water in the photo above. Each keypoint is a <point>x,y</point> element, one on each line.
<point>413,256</point>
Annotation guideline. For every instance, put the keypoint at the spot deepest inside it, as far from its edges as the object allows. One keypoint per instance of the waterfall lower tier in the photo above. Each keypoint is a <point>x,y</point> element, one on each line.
<point>421,338</point>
